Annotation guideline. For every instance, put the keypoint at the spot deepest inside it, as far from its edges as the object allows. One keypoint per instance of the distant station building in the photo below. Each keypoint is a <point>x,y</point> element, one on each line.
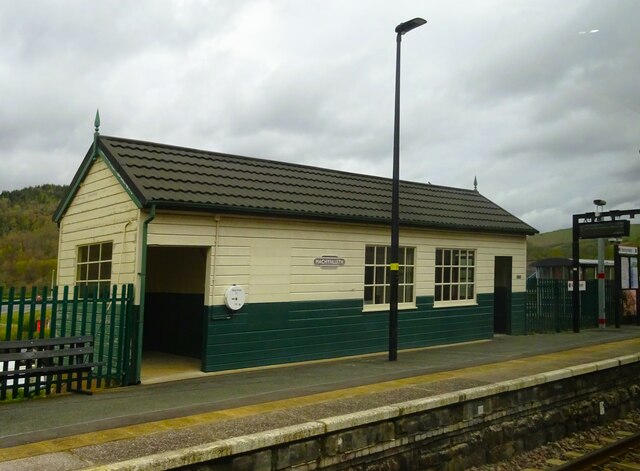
<point>558,268</point>
<point>242,262</point>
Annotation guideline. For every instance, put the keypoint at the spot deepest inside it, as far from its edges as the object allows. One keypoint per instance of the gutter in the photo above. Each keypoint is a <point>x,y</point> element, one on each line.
<point>143,287</point>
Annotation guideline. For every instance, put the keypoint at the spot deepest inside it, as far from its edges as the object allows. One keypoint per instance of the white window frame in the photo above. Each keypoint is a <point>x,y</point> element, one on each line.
<point>377,278</point>
<point>455,277</point>
<point>94,267</point>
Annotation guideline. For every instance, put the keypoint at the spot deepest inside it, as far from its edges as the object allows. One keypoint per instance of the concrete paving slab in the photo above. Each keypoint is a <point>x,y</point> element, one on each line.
<point>134,421</point>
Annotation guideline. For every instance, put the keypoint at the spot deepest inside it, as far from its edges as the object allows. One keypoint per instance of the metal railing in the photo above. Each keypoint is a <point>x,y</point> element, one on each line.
<point>64,312</point>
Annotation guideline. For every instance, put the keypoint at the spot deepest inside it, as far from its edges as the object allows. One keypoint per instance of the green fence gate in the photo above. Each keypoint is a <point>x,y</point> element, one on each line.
<point>64,312</point>
<point>549,305</point>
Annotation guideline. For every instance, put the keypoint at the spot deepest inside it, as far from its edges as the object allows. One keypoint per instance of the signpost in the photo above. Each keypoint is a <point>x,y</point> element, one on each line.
<point>594,226</point>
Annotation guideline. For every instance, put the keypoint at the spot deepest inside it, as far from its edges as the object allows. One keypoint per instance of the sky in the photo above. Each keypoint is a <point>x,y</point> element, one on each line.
<point>538,100</point>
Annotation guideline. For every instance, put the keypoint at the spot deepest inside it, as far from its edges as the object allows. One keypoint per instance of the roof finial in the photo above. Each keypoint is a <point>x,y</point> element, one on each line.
<point>96,134</point>
<point>475,183</point>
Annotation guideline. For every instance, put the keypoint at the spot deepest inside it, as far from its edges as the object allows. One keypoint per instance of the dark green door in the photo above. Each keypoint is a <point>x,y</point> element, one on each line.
<point>502,295</point>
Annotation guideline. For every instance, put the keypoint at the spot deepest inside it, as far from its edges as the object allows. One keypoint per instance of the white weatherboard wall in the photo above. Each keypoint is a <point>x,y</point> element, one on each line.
<point>101,211</point>
<point>272,258</point>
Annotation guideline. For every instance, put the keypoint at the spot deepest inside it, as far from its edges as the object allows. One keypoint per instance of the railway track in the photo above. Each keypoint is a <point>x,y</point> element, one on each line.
<point>621,455</point>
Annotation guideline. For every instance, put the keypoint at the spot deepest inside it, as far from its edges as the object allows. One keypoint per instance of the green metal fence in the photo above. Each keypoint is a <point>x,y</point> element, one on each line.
<point>64,312</point>
<point>549,307</point>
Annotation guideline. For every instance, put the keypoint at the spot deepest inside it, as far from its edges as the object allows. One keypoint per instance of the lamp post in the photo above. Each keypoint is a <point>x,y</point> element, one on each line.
<point>394,266</point>
<point>601,274</point>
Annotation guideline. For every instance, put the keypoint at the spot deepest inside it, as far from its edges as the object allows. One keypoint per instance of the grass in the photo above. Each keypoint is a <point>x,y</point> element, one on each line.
<point>27,329</point>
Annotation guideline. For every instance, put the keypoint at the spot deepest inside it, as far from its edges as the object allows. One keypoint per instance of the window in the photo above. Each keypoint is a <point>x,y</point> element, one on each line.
<point>93,271</point>
<point>455,275</point>
<point>377,275</point>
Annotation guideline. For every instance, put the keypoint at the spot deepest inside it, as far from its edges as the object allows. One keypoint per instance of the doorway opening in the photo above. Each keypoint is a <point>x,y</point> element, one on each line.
<point>174,305</point>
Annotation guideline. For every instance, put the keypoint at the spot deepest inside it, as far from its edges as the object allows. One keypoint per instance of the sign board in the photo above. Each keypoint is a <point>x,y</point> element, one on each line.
<point>581,287</point>
<point>603,229</point>
<point>627,250</point>
<point>329,261</point>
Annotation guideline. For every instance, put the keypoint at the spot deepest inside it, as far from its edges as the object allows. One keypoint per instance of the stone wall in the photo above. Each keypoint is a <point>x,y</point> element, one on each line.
<point>447,432</point>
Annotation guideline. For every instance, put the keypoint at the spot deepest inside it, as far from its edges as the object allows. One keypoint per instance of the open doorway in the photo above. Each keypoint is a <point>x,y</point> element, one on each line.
<point>174,301</point>
<point>502,295</point>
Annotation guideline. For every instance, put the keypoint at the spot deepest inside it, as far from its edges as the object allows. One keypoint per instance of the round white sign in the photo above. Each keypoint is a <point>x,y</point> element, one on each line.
<point>234,297</point>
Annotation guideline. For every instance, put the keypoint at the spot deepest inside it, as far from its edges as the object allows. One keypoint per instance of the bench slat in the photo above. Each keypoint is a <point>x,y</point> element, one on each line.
<point>40,354</point>
<point>34,343</point>
<point>49,370</point>
<point>78,349</point>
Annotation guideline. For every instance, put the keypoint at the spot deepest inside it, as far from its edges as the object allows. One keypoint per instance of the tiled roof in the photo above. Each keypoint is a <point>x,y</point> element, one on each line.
<point>181,178</point>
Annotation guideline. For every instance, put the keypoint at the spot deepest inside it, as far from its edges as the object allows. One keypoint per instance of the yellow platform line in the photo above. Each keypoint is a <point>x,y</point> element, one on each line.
<point>132,431</point>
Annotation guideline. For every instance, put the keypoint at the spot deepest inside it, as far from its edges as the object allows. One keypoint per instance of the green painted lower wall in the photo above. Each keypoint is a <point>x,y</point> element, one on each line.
<point>517,323</point>
<point>272,333</point>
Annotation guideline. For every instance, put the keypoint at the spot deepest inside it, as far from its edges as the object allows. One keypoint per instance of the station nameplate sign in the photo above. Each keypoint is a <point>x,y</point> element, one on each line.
<point>329,261</point>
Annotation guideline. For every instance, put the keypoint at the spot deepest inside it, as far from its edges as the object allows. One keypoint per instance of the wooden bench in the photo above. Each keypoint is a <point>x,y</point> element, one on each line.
<point>45,360</point>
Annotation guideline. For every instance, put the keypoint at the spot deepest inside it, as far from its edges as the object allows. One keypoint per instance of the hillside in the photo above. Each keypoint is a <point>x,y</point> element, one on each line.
<point>28,235</point>
<point>558,244</point>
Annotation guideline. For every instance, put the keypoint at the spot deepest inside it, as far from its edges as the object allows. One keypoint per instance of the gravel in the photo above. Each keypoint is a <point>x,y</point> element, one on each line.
<point>552,454</point>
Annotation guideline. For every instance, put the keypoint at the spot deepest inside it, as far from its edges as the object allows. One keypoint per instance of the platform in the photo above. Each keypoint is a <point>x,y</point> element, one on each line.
<point>76,432</point>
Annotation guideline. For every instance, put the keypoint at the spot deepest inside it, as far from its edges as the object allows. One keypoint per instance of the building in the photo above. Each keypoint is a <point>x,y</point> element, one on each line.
<point>558,268</point>
<point>243,262</point>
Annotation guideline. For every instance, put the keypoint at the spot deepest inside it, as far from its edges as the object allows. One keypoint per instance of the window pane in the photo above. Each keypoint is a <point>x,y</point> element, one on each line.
<point>446,293</point>
<point>438,256</point>
<point>438,275</point>
<point>94,253</point>
<point>408,295</point>
<point>91,289</point>
<point>401,257</point>
<point>438,293</point>
<point>105,271</point>
<point>368,294</point>
<point>104,290</point>
<point>82,269</point>
<point>380,255</point>
<point>94,271</point>
<point>455,275</point>
<point>379,277</point>
<point>447,275</point>
<point>471,292</point>
<point>400,274</point>
<point>369,255</point>
<point>400,294</point>
<point>447,257</point>
<point>83,254</point>
<point>368,275</point>
<point>456,257</point>
<point>379,295</point>
<point>107,249</point>
<point>387,293</point>
<point>471,258</point>
<point>454,292</point>
<point>410,256</point>
<point>408,275</point>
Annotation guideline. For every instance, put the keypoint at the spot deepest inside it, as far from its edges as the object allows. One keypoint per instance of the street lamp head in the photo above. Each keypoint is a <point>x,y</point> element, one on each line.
<point>599,202</point>
<point>407,26</point>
